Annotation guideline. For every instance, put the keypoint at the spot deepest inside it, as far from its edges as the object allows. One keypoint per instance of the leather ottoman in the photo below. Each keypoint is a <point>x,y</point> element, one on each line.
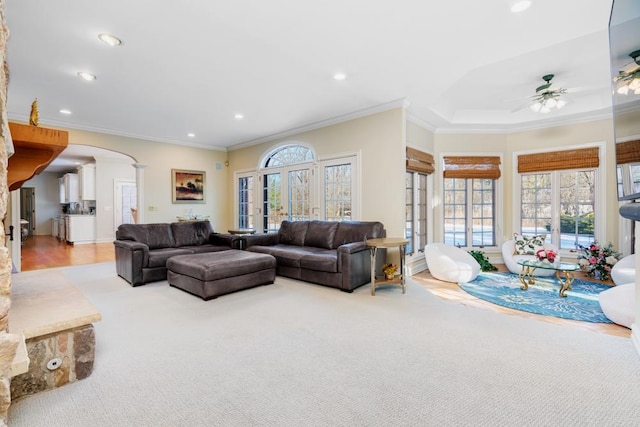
<point>210,275</point>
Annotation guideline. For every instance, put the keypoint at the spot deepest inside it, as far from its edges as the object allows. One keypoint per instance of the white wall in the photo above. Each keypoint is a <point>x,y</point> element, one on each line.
<point>107,172</point>
<point>380,141</point>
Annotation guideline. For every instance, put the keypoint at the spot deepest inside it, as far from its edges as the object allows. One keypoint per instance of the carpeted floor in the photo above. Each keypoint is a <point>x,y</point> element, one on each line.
<point>292,354</point>
<point>542,297</point>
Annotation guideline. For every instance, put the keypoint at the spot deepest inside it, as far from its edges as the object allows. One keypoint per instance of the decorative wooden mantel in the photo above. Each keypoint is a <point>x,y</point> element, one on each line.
<point>35,147</point>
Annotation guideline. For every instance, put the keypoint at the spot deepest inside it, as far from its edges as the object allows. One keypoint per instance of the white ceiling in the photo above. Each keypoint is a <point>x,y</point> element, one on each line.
<point>189,66</point>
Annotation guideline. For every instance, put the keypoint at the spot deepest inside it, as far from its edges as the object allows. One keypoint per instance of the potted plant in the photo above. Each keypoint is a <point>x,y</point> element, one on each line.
<point>389,270</point>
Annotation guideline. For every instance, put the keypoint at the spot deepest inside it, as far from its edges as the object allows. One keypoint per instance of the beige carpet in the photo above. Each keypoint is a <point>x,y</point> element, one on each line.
<point>293,354</point>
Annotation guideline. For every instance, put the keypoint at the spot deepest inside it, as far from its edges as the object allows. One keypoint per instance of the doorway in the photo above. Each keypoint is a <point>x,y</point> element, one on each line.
<point>27,212</point>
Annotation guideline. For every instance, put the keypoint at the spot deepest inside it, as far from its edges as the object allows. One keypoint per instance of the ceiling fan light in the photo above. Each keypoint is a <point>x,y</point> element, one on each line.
<point>637,91</point>
<point>536,107</point>
<point>550,103</point>
<point>635,83</point>
<point>623,90</point>
<point>561,103</point>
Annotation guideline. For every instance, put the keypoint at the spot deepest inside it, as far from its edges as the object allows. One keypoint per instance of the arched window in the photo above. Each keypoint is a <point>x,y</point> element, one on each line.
<point>288,155</point>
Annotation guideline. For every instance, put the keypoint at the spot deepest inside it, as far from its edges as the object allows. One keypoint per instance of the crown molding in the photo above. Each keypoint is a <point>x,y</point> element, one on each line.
<point>66,125</point>
<point>398,103</point>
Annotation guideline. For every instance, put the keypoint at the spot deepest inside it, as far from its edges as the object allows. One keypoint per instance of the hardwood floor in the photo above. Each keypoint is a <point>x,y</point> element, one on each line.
<point>451,292</point>
<point>39,252</point>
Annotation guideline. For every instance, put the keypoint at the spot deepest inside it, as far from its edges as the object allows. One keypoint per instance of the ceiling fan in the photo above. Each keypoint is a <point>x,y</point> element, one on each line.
<point>547,98</point>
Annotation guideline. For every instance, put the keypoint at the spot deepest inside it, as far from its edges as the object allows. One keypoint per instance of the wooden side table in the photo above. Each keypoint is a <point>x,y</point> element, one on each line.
<point>387,242</point>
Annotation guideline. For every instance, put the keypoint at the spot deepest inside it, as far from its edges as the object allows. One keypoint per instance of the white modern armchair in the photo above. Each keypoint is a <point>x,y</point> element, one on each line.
<point>450,263</point>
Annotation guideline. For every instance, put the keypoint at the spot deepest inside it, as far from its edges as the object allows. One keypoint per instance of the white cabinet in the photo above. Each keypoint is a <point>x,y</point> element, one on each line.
<point>69,190</point>
<point>87,179</point>
<point>81,228</point>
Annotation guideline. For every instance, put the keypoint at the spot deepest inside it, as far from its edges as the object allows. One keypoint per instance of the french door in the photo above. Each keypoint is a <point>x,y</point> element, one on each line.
<point>286,195</point>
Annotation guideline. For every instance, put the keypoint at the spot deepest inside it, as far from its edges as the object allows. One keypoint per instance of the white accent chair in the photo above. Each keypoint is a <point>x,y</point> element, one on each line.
<point>450,263</point>
<point>619,304</point>
<point>511,260</point>
<point>624,271</point>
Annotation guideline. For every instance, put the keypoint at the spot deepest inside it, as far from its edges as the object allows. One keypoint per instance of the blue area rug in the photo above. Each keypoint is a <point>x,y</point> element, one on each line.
<point>503,289</point>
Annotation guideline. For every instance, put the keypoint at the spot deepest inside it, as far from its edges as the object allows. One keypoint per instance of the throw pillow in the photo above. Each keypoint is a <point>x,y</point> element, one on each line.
<point>528,245</point>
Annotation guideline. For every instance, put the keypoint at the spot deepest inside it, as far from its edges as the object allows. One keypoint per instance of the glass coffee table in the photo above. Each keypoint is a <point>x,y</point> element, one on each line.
<point>529,267</point>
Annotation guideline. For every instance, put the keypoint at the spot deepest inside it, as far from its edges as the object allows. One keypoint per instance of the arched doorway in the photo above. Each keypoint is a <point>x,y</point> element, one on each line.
<point>104,209</point>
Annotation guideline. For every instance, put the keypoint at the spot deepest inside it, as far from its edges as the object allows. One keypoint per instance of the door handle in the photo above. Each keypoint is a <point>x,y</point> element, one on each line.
<point>10,233</point>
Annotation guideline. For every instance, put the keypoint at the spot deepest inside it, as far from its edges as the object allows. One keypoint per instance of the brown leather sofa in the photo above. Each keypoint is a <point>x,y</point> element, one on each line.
<point>142,250</point>
<point>327,253</point>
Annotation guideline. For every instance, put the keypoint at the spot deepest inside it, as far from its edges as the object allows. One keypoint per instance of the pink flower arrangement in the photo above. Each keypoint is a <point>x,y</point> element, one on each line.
<point>597,260</point>
<point>548,255</point>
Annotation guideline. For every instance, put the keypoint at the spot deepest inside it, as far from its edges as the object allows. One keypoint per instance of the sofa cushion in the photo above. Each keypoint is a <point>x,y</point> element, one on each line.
<point>320,234</point>
<point>153,235</point>
<point>201,249</point>
<point>321,261</point>
<point>287,255</point>
<point>293,233</point>
<point>159,257</point>
<point>191,233</point>
<point>356,231</point>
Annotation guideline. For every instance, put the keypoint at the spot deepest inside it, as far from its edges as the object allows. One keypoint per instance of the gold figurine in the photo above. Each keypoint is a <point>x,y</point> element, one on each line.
<point>33,117</point>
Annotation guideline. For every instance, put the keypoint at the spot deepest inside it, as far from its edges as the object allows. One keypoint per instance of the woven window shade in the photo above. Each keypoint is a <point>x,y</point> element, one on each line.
<point>472,167</point>
<point>628,152</point>
<point>559,160</point>
<point>418,161</point>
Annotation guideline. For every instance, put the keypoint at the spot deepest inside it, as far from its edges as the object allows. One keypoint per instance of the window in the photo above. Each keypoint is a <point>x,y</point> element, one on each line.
<point>560,204</point>
<point>558,195</point>
<point>337,192</point>
<point>419,165</point>
<point>290,186</point>
<point>469,212</point>
<point>469,200</point>
<point>416,212</point>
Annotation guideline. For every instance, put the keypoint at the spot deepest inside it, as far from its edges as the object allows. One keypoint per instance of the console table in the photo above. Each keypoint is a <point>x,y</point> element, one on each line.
<point>387,242</point>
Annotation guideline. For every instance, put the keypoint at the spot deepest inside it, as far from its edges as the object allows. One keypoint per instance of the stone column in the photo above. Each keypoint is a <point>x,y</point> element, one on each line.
<point>8,342</point>
<point>140,190</point>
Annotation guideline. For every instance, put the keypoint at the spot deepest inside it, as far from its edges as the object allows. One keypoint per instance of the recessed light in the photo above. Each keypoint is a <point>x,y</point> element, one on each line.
<point>239,116</point>
<point>109,39</point>
<point>339,76</point>
<point>65,111</point>
<point>191,135</point>
<point>87,76</point>
<point>520,5</point>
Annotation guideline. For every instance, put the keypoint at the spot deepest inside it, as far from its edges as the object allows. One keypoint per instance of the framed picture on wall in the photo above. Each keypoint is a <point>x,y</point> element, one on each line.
<point>187,186</point>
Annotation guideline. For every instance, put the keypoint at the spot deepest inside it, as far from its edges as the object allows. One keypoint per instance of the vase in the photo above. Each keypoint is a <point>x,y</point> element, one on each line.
<point>388,276</point>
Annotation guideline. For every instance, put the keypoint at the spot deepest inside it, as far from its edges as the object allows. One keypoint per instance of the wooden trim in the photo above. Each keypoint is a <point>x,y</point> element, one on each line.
<point>35,147</point>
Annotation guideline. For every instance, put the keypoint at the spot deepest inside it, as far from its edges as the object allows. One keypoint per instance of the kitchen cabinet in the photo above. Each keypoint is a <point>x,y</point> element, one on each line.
<point>80,228</point>
<point>69,190</point>
<point>87,181</point>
